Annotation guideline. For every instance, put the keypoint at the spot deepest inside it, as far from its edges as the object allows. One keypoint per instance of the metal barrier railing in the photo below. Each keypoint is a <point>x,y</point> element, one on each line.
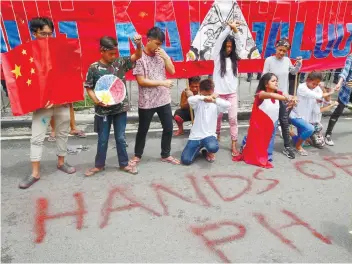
<point>245,92</point>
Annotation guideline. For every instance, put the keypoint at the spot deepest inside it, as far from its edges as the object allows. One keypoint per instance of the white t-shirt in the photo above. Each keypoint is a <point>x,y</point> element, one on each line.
<point>281,68</point>
<point>307,102</point>
<point>206,115</point>
<point>227,84</point>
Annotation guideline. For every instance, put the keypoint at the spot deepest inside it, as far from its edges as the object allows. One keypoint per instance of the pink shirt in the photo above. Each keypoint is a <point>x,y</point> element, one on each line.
<point>152,68</point>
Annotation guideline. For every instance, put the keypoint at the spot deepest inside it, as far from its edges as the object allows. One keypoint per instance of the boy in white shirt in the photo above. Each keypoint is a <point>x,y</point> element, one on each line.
<point>206,106</point>
<point>301,115</point>
<point>319,106</point>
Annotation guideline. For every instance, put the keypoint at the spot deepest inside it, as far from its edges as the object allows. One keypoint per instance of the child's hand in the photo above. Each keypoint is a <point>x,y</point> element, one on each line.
<point>335,103</point>
<point>214,95</point>
<point>209,99</point>
<point>349,84</point>
<point>189,93</point>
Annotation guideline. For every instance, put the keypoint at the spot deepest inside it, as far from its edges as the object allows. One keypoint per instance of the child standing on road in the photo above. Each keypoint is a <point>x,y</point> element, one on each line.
<point>110,64</point>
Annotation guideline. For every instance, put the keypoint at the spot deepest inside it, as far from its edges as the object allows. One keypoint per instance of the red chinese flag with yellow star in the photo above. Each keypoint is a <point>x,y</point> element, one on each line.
<point>42,71</point>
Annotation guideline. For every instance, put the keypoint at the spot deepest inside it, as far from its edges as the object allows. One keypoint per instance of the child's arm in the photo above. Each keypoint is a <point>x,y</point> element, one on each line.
<point>266,95</point>
<point>194,100</point>
<point>222,104</point>
<point>328,107</point>
<point>306,92</point>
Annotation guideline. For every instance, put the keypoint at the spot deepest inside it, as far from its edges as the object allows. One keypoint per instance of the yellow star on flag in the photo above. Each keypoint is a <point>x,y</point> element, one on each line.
<point>24,52</point>
<point>29,82</point>
<point>17,71</point>
<point>31,59</point>
<point>32,71</point>
<point>105,97</point>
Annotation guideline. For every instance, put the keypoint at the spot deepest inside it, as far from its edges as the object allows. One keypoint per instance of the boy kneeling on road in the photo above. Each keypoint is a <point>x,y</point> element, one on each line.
<point>206,106</point>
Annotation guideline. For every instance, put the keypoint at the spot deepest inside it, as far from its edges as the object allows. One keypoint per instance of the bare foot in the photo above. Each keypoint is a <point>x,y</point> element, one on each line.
<point>234,151</point>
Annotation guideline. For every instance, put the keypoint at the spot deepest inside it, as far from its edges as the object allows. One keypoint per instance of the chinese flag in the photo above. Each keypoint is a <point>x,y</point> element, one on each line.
<point>41,71</point>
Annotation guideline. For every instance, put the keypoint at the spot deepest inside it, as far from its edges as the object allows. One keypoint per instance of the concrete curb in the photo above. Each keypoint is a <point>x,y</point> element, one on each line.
<point>132,118</point>
<point>88,119</point>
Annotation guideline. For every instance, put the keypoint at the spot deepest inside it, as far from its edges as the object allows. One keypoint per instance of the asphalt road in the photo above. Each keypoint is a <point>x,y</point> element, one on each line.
<point>299,211</point>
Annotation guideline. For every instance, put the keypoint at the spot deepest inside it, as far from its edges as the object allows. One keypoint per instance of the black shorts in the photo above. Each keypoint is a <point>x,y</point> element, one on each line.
<point>184,114</point>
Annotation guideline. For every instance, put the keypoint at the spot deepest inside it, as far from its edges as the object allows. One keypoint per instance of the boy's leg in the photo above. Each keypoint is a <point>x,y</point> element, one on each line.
<point>165,116</point>
<point>145,116</point>
<point>62,124</point>
<point>190,152</point>
<point>332,121</point>
<point>210,144</point>
<point>74,130</point>
<point>102,124</point>
<point>119,123</point>
<point>180,116</point>
<point>40,122</point>
<point>285,128</point>
<point>304,131</point>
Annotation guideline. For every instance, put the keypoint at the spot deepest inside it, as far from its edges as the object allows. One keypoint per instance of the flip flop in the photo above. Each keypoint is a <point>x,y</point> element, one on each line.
<point>131,168</point>
<point>91,172</point>
<point>79,133</point>
<point>171,160</point>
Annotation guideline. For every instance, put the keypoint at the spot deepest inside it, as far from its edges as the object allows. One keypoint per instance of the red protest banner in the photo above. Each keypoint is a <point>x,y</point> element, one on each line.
<point>320,30</point>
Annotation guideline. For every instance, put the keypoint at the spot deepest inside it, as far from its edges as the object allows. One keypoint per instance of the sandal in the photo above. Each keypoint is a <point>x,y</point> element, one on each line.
<point>93,171</point>
<point>67,168</point>
<point>78,133</point>
<point>302,152</point>
<point>171,160</point>
<point>131,168</point>
<point>51,138</point>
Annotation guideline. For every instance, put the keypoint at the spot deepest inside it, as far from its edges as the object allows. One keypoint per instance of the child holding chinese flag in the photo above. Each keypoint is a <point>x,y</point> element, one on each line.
<point>42,27</point>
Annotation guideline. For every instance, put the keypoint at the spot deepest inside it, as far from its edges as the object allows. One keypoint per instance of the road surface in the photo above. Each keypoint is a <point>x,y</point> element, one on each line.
<point>300,211</point>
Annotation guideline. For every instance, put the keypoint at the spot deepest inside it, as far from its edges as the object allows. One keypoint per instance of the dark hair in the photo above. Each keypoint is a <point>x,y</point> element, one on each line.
<point>314,75</point>
<point>264,81</point>
<point>194,79</point>
<point>108,43</point>
<point>39,23</point>
<point>156,33</point>
<point>233,56</point>
<point>206,85</point>
<point>283,42</point>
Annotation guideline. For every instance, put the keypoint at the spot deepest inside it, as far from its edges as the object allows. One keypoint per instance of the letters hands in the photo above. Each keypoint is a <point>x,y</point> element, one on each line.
<point>161,53</point>
<point>138,40</point>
